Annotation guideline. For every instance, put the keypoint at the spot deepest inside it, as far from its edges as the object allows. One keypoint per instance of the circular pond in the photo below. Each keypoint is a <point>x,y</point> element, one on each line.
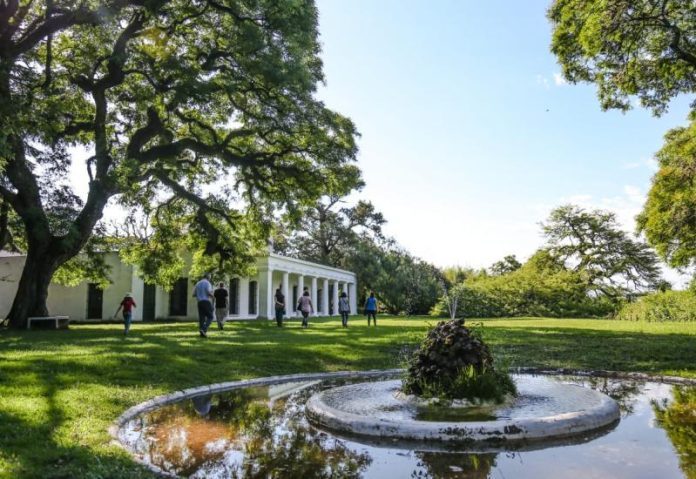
<point>260,428</point>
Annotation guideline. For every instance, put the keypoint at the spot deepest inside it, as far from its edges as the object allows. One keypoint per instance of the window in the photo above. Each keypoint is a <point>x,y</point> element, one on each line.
<point>253,295</point>
<point>234,296</point>
<point>178,297</point>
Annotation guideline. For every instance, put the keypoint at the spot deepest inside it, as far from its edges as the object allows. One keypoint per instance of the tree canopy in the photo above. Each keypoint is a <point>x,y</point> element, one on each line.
<point>643,48</point>
<point>201,116</point>
<point>668,218</point>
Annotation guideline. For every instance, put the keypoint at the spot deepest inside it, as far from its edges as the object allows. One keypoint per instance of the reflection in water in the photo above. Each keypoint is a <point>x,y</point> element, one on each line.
<point>435,465</point>
<point>244,435</point>
<point>678,419</point>
<point>262,433</point>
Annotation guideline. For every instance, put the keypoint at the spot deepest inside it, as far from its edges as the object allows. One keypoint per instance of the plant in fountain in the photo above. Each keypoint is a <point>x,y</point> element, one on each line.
<point>453,362</point>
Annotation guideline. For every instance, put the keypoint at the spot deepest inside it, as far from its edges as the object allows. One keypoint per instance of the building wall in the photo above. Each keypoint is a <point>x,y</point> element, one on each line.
<point>72,301</point>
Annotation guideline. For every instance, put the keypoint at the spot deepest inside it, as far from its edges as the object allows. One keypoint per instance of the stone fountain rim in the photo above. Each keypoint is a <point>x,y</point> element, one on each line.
<point>179,395</point>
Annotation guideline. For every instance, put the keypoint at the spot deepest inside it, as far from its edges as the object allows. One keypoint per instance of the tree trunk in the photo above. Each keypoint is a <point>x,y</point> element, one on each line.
<point>32,291</point>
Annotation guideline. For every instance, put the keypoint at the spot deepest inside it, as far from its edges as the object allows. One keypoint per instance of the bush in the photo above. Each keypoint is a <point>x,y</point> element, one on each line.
<point>661,306</point>
<point>453,362</point>
<point>527,292</point>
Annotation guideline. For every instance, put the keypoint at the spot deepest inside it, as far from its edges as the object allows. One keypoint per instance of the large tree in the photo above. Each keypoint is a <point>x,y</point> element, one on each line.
<point>644,49</point>
<point>668,218</point>
<point>592,244</point>
<point>201,114</point>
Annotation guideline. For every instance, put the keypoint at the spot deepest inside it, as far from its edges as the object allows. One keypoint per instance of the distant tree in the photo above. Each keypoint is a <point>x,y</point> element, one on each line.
<point>668,218</point>
<point>645,48</point>
<point>506,265</point>
<point>329,231</point>
<point>201,115</point>
<point>406,284</point>
<point>592,244</point>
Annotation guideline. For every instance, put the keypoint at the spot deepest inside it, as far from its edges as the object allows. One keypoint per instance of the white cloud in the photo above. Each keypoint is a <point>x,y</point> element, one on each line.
<point>559,80</point>
<point>649,163</point>
<point>543,81</point>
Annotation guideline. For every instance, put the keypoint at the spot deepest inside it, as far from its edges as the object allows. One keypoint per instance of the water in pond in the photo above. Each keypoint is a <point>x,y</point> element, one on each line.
<point>262,432</point>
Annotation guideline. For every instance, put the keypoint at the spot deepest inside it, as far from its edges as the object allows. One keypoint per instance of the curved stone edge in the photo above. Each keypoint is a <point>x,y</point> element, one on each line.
<point>605,413</point>
<point>176,396</point>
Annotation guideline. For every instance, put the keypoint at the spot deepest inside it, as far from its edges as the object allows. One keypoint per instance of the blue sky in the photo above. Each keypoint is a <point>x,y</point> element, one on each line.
<point>469,136</point>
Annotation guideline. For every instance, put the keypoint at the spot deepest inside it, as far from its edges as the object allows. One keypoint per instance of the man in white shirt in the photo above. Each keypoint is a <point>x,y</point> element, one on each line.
<point>203,291</point>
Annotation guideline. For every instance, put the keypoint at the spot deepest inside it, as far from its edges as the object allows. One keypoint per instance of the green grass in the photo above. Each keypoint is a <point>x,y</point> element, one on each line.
<point>60,390</point>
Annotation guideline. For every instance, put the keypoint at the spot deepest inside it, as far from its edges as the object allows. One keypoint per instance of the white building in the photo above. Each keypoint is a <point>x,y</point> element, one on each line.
<point>249,298</point>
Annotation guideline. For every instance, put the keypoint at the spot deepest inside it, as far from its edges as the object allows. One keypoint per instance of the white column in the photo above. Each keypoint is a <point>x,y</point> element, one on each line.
<point>286,285</point>
<point>325,297</point>
<point>313,292</point>
<point>270,310</point>
<point>335,298</point>
<point>352,294</point>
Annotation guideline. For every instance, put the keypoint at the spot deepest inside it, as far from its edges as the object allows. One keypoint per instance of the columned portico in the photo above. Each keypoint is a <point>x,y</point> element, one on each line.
<point>276,270</point>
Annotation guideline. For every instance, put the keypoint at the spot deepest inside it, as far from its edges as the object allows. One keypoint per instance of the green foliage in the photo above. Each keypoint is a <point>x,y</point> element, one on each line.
<point>201,116</point>
<point>678,419</point>
<point>453,362</point>
<point>661,306</point>
<point>591,244</point>
<point>668,218</point>
<point>639,47</point>
<point>506,265</point>
<point>541,287</point>
<point>403,283</point>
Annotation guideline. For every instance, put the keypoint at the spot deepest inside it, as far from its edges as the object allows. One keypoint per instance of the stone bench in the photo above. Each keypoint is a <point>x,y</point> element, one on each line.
<point>61,322</point>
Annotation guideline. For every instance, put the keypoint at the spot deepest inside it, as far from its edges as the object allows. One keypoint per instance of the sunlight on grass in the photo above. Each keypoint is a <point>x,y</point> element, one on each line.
<point>60,390</point>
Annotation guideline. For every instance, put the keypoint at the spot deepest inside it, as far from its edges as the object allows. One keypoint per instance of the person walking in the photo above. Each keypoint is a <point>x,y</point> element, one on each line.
<point>344,308</point>
<point>203,291</point>
<point>221,305</point>
<point>127,305</point>
<point>371,308</point>
<point>306,307</point>
<point>279,307</point>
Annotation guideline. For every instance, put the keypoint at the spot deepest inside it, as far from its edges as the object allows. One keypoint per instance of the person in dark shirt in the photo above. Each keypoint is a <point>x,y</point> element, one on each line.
<point>220,305</point>
<point>279,307</point>
<point>127,305</point>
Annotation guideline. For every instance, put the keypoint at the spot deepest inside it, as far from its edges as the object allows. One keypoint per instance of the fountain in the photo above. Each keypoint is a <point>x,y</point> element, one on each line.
<point>450,414</point>
<point>452,392</point>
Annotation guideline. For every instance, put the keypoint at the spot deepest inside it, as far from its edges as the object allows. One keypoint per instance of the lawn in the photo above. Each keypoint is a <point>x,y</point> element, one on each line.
<point>60,390</point>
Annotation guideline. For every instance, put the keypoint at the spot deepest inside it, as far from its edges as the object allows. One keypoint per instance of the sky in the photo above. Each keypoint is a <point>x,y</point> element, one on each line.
<point>469,135</point>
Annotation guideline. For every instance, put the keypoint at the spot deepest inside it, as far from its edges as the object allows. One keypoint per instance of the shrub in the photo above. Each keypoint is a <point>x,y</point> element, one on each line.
<point>453,362</point>
<point>661,306</point>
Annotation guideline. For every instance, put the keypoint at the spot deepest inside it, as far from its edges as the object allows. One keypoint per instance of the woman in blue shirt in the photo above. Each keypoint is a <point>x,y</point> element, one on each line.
<point>371,308</point>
